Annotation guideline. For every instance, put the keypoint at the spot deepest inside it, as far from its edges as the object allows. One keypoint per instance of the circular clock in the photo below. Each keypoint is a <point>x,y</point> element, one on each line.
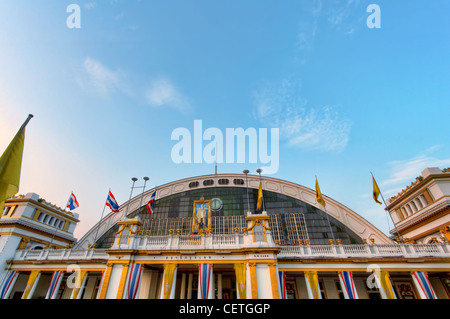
<point>216,204</point>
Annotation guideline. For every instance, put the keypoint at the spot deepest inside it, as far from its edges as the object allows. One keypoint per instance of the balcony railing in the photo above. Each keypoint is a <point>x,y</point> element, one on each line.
<point>238,241</point>
<point>365,251</point>
<point>61,254</point>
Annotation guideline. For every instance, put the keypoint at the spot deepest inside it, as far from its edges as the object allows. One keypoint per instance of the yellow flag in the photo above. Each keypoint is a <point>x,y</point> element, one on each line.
<point>10,166</point>
<point>240,279</point>
<point>376,191</point>
<point>319,198</point>
<point>260,198</point>
<point>386,285</point>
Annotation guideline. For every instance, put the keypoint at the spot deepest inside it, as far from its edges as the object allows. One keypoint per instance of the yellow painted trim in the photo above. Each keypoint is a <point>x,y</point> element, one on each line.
<point>265,233</point>
<point>11,211</point>
<point>129,222</point>
<point>123,279</point>
<point>36,214</point>
<point>361,270</point>
<point>105,284</point>
<point>274,281</point>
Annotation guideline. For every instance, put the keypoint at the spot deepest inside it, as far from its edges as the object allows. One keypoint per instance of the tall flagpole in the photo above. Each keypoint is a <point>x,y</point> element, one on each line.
<point>246,181</point>
<point>143,190</point>
<point>134,179</point>
<point>259,171</point>
<point>328,219</point>
<point>104,207</point>
<point>387,211</point>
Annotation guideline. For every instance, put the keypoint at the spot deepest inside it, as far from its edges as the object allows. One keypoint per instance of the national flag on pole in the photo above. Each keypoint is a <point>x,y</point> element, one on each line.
<point>376,190</point>
<point>112,203</point>
<point>319,198</point>
<point>151,203</point>
<point>10,165</point>
<point>260,198</point>
<point>72,203</point>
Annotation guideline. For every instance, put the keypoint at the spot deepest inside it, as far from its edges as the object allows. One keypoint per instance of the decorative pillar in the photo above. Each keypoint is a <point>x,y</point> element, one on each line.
<point>183,286</point>
<point>105,281</point>
<point>123,279</point>
<point>219,286</point>
<point>190,281</point>
<point>253,280</point>
<point>31,284</point>
<point>274,280</point>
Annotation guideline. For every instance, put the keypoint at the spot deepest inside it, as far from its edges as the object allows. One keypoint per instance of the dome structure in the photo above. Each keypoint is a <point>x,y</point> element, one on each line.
<point>295,213</point>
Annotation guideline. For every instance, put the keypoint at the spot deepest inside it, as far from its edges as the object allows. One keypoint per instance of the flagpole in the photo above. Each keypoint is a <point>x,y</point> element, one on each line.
<point>387,211</point>
<point>104,207</point>
<point>134,179</point>
<point>328,219</point>
<point>259,171</point>
<point>246,181</point>
<point>143,190</point>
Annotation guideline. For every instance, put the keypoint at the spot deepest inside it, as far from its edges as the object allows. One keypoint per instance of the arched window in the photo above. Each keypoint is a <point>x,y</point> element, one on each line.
<point>414,207</point>
<point>408,208</point>
<point>405,213</point>
<point>61,224</point>
<point>46,218</point>
<point>51,220</point>
<point>423,199</point>
<point>419,203</point>
<point>41,216</point>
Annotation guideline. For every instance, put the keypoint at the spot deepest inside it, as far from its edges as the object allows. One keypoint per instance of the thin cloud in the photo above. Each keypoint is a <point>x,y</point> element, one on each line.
<point>162,94</point>
<point>318,128</point>
<point>406,171</point>
<point>101,80</point>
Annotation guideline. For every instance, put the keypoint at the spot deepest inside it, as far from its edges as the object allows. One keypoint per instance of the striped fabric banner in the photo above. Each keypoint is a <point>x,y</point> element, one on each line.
<point>347,284</point>
<point>170,279</point>
<point>385,286</point>
<point>11,278</point>
<point>422,281</point>
<point>31,284</point>
<point>54,285</point>
<point>312,285</point>
<point>134,280</point>
<point>282,280</point>
<point>204,281</point>
<point>240,270</point>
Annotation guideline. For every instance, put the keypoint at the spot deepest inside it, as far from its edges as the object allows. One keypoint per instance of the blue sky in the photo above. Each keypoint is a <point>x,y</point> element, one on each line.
<point>106,97</point>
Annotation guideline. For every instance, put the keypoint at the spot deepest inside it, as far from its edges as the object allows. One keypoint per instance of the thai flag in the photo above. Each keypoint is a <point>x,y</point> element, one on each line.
<point>72,203</point>
<point>204,280</point>
<point>151,203</point>
<point>424,284</point>
<point>112,203</point>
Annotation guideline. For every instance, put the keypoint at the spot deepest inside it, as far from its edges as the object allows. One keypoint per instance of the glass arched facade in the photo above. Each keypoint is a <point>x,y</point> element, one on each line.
<point>291,219</point>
